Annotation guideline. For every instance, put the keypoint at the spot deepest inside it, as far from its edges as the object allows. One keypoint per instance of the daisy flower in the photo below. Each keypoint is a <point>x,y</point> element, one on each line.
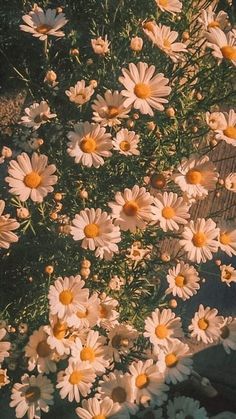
<point>228,274</point>
<point>132,209</point>
<point>94,408</point>
<point>183,281</point>
<point>88,314</point>
<point>109,110</point>
<point>164,38</point>
<point>31,178</point>
<point>7,225</point>
<point>116,282</point>
<point>215,120</point>
<point>227,238</point>
<point>228,132</point>
<point>39,352</point>
<point>172,6</point>
<point>200,240</point>
<point>93,350</point>
<point>76,380</point>
<point>117,386</point>
<point>149,28</point>
<point>89,143</point>
<point>210,19</point>
<point>100,46</point>
<point>228,334</point>
<point>196,176</point>
<point>4,345</point>
<point>126,142</point>
<point>80,93</point>
<point>144,90</point>
<point>96,231</point>
<point>108,315</point>
<point>174,362</point>
<point>36,115</point>
<point>162,327</point>
<point>121,339</point>
<point>206,325</point>
<point>4,379</point>
<point>230,182</point>
<point>67,296</point>
<point>223,45</point>
<point>57,336</point>
<point>41,24</point>
<point>137,254</point>
<point>147,383</point>
<point>170,210</point>
<point>184,407</point>
<point>33,394</point>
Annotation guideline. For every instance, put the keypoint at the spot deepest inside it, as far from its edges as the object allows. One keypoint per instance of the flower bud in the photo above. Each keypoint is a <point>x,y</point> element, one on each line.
<point>173,303</point>
<point>165,257</point>
<point>93,83</point>
<point>151,126</point>
<point>136,44</point>
<point>49,269</point>
<point>170,112</point>
<point>6,152</point>
<point>50,77</point>
<point>83,194</point>
<point>22,213</point>
<point>85,263</point>
<point>74,52</point>
<point>85,272</point>
<point>58,196</point>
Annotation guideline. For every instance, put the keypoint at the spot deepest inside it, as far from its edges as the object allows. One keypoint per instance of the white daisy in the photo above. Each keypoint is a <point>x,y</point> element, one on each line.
<point>170,210</point>
<point>162,327</point>
<point>121,339</point>
<point>132,209</point>
<point>196,176</point>
<point>4,379</point>
<point>41,24</point>
<point>126,142</point>
<point>80,93</point>
<point>142,89</point>
<point>164,38</point>
<point>108,315</point>
<point>148,383</point>
<point>66,296</point>
<point>76,380</point>
<point>58,332</point>
<point>228,334</point>
<point>185,407</point>
<point>174,362</point>
<point>39,352</point>
<point>200,240</point>
<point>228,132</point>
<point>7,226</point>
<point>149,28</point>
<point>100,409</point>
<point>88,315</point>
<point>228,274</point>
<point>36,115</point>
<point>172,6</point>
<point>32,395</point>
<point>96,231</point>
<point>223,45</point>
<point>109,110</point>
<point>100,46</point>
<point>137,253</point>
<point>31,178</point>
<point>230,182</point>
<point>206,325</point>
<point>116,283</point>
<point>227,238</point>
<point>183,281</point>
<point>215,120</point>
<point>210,19</point>
<point>89,144</point>
<point>4,345</point>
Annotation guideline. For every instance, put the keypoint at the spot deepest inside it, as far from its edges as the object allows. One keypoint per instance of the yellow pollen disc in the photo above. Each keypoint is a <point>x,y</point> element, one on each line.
<point>180,281</point>
<point>213,24</point>
<point>91,231</point>
<point>142,90</point>
<point>76,377</point>
<point>225,238</point>
<point>161,331</point>
<point>199,239</point>
<point>118,395</point>
<point>112,112</point>
<point>43,349</point>
<point>99,417</point>
<point>136,253</point>
<point>124,145</point>
<point>149,26</point>
<point>225,332</point>
<point>66,297</point>
<point>103,312</point>
<point>142,381</point>
<point>168,212</point>
<point>229,52</point>
<point>32,394</point>
<point>130,208</point>
<point>43,29</point>
<point>203,323</point>
<point>194,177</point>
<point>227,275</point>
<point>163,3</point>
<point>2,378</point>
<point>230,132</point>
<point>32,180</point>
<point>88,145</point>
<point>166,43</point>
<point>59,330</point>
<point>158,181</point>
<point>171,360</point>
<point>87,354</point>
<point>82,314</point>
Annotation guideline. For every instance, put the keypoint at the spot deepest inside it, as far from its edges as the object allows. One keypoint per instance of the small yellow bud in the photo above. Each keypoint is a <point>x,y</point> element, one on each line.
<point>173,303</point>
<point>85,263</point>
<point>136,44</point>
<point>170,112</point>
<point>93,83</point>
<point>151,126</point>
<point>22,213</point>
<point>58,196</point>
<point>49,269</point>
<point>85,272</point>
<point>74,52</point>
<point>83,194</point>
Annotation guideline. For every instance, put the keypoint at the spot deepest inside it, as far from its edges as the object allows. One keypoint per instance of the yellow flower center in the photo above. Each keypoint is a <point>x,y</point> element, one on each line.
<point>142,381</point>
<point>103,312</point>
<point>230,132</point>
<point>59,330</point>
<point>91,231</point>
<point>171,360</point>
<point>43,349</point>
<point>167,44</point>
<point>43,29</point>
<point>149,26</point>
<point>66,297</point>
<point>213,24</point>
<point>32,180</point>
<point>142,90</point>
<point>87,354</point>
<point>180,281</point>
<point>163,3</point>
<point>168,213</point>
<point>130,208</point>
<point>32,394</point>
<point>225,332</point>
<point>88,145</point>
<point>118,395</point>
<point>99,417</point>
<point>199,239</point>
<point>112,112</point>
<point>227,275</point>
<point>203,323</point>
<point>2,379</point>
<point>82,314</point>
<point>229,52</point>
<point>194,177</point>
<point>124,145</point>
<point>158,181</point>
<point>161,331</point>
<point>225,238</point>
<point>76,377</point>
